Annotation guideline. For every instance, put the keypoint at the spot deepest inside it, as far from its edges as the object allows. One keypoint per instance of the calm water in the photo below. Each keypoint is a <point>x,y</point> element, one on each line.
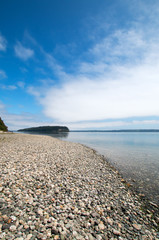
<point>135,155</point>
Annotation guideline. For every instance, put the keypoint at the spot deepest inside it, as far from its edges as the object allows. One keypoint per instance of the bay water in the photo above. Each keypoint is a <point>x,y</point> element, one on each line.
<point>134,154</point>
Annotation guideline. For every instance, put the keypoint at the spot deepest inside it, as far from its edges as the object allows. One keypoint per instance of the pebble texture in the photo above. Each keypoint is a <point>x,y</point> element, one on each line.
<point>50,189</point>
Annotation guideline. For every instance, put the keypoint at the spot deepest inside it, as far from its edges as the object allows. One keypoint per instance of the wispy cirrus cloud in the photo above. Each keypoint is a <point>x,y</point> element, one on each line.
<point>23,52</point>
<point>33,91</point>
<point>8,87</point>
<point>21,84</point>
<point>119,124</point>
<point>2,74</point>
<point>3,43</point>
<point>2,106</point>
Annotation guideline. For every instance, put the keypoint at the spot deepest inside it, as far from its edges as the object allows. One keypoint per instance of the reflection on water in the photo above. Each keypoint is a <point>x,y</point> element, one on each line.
<point>136,155</point>
<point>60,135</point>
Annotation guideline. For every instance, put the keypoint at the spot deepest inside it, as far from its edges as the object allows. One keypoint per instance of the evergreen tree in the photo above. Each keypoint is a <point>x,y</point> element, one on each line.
<point>3,127</point>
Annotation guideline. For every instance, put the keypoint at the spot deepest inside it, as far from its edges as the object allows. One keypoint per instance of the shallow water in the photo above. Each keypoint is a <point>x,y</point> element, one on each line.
<point>135,155</point>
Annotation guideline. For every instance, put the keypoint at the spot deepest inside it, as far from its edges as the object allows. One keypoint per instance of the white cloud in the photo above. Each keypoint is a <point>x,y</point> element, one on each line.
<point>2,74</point>
<point>21,120</point>
<point>8,87</point>
<point>15,121</point>
<point>128,87</point>
<point>104,99</point>
<point>2,107</point>
<point>54,66</point>
<point>97,125</point>
<point>133,124</point>
<point>3,43</point>
<point>32,90</point>
<point>121,43</point>
<point>22,52</point>
<point>21,84</point>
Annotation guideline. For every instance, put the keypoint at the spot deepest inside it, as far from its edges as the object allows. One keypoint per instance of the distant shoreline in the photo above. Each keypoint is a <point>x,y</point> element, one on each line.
<point>107,131</point>
<point>116,131</point>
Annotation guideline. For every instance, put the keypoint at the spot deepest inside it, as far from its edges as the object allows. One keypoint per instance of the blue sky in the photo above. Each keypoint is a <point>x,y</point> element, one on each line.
<point>86,64</point>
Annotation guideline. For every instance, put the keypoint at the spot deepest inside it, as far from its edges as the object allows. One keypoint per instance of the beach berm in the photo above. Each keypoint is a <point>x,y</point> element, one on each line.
<point>53,189</point>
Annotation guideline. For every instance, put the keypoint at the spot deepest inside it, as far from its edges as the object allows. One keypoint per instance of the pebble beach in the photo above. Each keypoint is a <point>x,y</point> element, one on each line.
<point>52,189</point>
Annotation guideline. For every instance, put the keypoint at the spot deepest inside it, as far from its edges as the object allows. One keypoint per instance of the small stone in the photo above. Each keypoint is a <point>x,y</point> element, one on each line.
<point>87,224</point>
<point>144,237</point>
<point>71,216</point>
<point>157,219</point>
<point>137,226</point>
<point>41,236</point>
<point>21,222</point>
<point>99,237</point>
<point>29,223</point>
<point>56,237</point>
<point>12,228</point>
<point>74,233</point>
<point>13,218</point>
<point>40,211</point>
<point>0,227</point>
<point>153,204</point>
<point>54,231</point>
<point>17,223</point>
<point>9,220</point>
<point>56,190</point>
<point>5,218</point>
<point>26,226</point>
<point>101,226</point>
<point>109,208</point>
<point>62,235</point>
<point>32,227</point>
<point>110,221</point>
<point>116,232</point>
<point>81,204</point>
<point>2,235</point>
<point>122,180</point>
<point>68,225</point>
<point>20,228</point>
<point>30,200</point>
<point>90,237</point>
<point>59,229</point>
<point>49,233</point>
<point>75,210</point>
<point>5,226</point>
<point>29,236</point>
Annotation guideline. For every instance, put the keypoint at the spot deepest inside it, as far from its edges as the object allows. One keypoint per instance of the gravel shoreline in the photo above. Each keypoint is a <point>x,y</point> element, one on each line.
<point>51,189</point>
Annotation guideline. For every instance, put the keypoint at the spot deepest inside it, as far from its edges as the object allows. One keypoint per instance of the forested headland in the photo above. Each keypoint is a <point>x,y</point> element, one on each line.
<point>3,127</point>
<point>45,129</point>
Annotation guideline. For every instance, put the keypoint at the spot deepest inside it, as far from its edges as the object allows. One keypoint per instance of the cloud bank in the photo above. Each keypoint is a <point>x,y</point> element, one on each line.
<point>120,81</point>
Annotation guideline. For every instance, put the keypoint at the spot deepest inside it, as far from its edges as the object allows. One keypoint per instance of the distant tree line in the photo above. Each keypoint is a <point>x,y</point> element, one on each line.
<point>3,127</point>
<point>46,129</point>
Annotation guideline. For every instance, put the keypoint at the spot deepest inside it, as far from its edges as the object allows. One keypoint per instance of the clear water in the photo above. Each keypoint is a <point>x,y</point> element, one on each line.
<point>135,155</point>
